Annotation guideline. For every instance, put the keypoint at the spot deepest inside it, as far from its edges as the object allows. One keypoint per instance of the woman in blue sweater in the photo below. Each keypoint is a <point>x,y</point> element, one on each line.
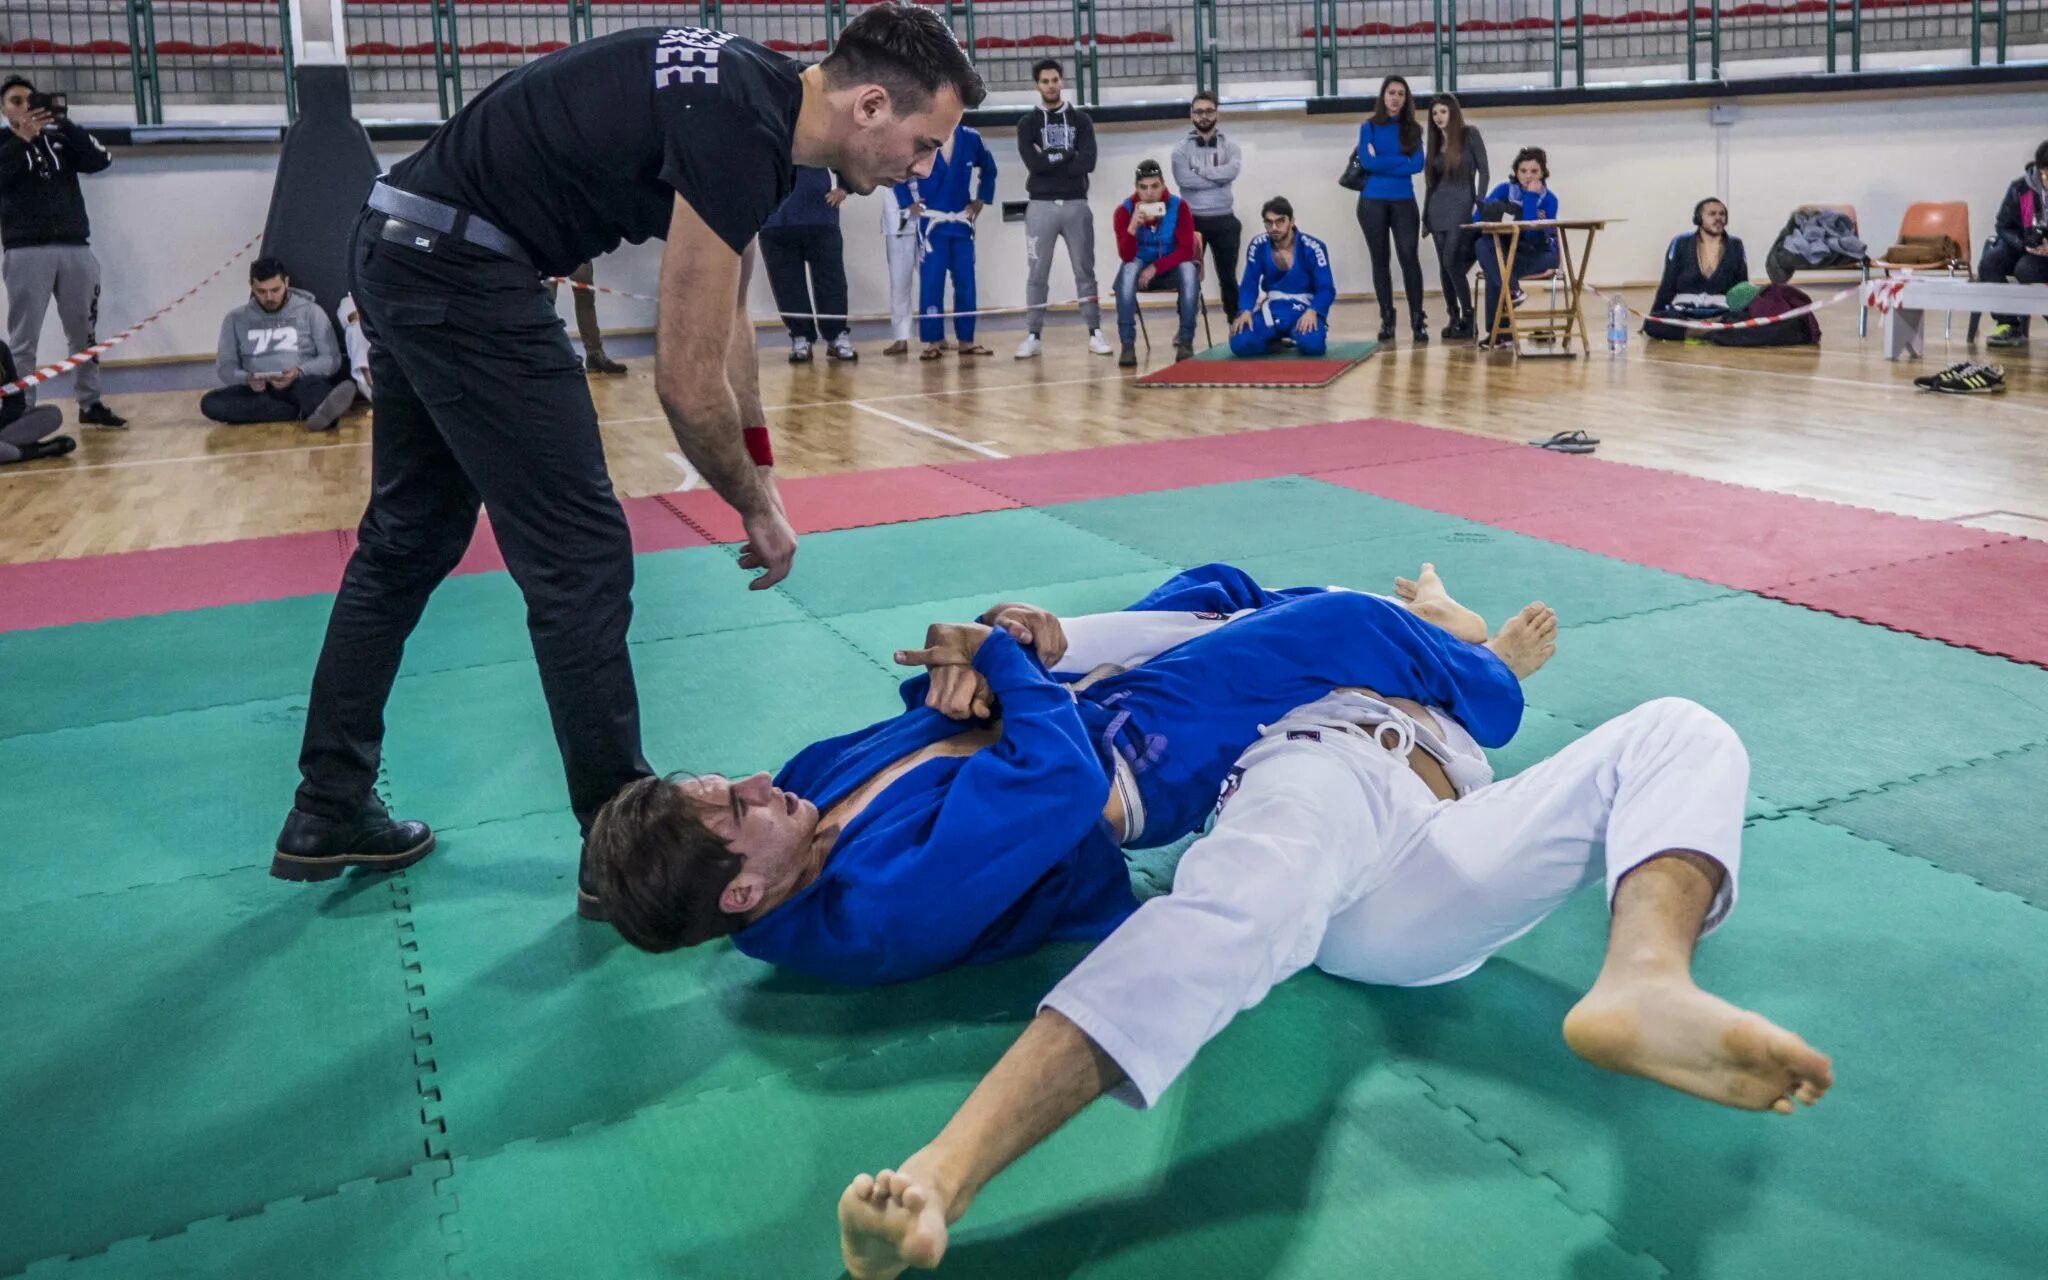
<point>1390,150</point>
<point>1529,195</point>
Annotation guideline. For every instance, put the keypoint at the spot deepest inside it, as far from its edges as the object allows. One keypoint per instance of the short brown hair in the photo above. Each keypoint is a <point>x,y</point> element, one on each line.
<point>907,50</point>
<point>658,870</point>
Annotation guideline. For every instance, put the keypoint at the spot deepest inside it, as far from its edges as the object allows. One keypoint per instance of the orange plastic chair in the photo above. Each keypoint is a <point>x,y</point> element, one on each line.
<point>1949,218</point>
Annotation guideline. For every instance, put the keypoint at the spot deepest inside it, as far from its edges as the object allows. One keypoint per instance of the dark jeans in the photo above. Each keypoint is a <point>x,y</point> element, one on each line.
<point>1225,237</point>
<point>1377,218</point>
<point>787,251</point>
<point>2002,263</point>
<point>1533,257</point>
<point>1454,259</point>
<point>479,399</point>
<point>243,405</point>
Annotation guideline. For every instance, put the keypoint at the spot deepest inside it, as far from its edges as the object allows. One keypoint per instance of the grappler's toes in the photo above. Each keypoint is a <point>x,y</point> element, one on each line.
<point>888,1224</point>
<point>1527,640</point>
<point>1695,1042</point>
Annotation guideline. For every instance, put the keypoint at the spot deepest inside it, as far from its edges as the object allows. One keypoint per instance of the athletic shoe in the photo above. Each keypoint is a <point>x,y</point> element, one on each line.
<point>1127,358</point>
<point>598,362</point>
<point>1031,348</point>
<point>897,348</point>
<point>2007,335</point>
<point>1965,380</point>
<point>1183,350</point>
<point>332,406</point>
<point>1926,381</point>
<point>1099,345</point>
<point>1521,298</point>
<point>97,414</point>
<point>842,348</point>
<point>799,351</point>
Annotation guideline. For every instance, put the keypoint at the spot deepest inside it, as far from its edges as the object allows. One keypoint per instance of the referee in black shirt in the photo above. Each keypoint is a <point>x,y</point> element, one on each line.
<point>683,133</point>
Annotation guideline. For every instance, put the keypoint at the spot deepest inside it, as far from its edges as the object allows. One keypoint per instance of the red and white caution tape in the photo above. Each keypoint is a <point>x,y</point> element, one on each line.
<point>72,361</point>
<point>1882,295</point>
<point>850,319</point>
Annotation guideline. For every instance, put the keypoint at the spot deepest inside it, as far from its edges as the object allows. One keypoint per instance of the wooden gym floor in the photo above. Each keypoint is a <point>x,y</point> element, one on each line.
<point>1837,423</point>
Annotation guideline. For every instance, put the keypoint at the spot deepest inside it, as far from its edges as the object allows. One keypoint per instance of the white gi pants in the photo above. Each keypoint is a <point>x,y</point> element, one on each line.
<point>1331,851</point>
<point>902,267</point>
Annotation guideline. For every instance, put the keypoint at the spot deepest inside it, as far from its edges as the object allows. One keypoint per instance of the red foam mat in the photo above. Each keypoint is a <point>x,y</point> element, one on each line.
<point>1112,471</point>
<point>654,527</point>
<point>1337,446</point>
<point>51,593</point>
<point>1747,538</point>
<point>1992,598</point>
<point>1504,483</point>
<point>849,500</point>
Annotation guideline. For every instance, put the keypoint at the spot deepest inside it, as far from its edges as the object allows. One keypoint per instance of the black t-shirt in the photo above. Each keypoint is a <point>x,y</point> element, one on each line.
<point>583,148</point>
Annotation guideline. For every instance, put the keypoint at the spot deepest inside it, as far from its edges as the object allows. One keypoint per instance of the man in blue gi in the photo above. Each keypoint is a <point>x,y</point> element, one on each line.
<point>1291,268</point>
<point>946,208</point>
<point>923,842</point>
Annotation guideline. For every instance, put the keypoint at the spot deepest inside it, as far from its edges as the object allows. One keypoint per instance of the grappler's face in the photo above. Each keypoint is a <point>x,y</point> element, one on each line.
<point>769,827</point>
<point>886,148</point>
<point>1714,218</point>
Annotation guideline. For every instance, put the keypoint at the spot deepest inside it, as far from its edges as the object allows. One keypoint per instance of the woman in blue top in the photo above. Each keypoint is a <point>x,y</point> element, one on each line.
<point>1531,199</point>
<point>1390,150</point>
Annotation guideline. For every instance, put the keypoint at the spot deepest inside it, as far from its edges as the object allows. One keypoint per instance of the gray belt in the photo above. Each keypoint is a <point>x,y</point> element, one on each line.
<point>447,219</point>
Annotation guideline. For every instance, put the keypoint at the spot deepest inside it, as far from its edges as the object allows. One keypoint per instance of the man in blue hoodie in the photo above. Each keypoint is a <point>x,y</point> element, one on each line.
<point>1155,236</point>
<point>1291,269</point>
<point>278,358</point>
<point>946,208</point>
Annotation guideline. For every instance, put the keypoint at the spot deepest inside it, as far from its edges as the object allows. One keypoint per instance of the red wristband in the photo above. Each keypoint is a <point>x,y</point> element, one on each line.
<point>759,447</point>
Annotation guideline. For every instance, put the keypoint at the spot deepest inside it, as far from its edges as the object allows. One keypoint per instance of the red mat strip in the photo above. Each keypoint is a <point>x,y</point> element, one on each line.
<point>850,500</point>
<point>1747,538</point>
<point>1113,471</point>
<point>1336,446</point>
<point>1993,599</point>
<point>52,593</point>
<point>1506,483</point>
<point>654,527</point>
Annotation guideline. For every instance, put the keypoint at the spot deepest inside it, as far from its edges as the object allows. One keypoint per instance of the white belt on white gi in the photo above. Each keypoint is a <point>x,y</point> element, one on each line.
<point>1266,307</point>
<point>1395,732</point>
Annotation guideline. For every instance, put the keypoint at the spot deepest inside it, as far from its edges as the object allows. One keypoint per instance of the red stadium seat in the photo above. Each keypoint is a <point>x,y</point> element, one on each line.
<point>546,46</point>
<point>373,49</point>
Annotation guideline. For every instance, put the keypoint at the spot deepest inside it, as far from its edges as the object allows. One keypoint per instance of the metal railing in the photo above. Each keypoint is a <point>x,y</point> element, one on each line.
<point>433,55</point>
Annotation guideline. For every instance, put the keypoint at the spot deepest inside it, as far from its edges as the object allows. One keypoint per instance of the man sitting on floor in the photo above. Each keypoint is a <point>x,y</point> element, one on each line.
<point>922,843</point>
<point>278,358</point>
<point>26,433</point>
<point>1291,268</point>
<point>1348,837</point>
<point>1700,268</point>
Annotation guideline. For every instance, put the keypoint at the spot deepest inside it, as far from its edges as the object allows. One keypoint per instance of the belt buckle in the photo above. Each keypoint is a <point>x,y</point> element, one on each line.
<point>410,234</point>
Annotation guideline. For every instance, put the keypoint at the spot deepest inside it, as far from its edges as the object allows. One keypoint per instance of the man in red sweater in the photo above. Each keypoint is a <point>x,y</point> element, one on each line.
<point>1155,236</point>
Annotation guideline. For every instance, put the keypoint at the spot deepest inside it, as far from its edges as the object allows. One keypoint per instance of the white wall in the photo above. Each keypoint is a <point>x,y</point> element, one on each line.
<point>164,217</point>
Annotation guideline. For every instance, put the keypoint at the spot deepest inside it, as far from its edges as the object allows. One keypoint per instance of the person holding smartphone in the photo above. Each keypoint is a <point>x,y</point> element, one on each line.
<point>46,233</point>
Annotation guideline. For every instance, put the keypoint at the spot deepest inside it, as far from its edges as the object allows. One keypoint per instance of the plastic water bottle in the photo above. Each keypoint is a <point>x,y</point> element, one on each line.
<point>1617,329</point>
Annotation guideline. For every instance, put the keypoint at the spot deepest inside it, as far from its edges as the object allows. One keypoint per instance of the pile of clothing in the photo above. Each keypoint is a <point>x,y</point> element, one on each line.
<point>1743,302</point>
<point>1815,239</point>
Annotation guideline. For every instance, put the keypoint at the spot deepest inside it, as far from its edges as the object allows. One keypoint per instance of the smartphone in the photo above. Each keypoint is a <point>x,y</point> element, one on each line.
<point>1152,210</point>
<point>56,104</point>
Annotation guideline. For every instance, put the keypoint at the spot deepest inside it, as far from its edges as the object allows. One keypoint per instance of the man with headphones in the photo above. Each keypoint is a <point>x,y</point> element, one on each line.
<point>1699,270</point>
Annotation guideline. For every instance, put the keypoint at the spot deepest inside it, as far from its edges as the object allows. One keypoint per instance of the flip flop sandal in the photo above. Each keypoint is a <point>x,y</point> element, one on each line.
<point>930,353</point>
<point>976,350</point>
<point>1568,442</point>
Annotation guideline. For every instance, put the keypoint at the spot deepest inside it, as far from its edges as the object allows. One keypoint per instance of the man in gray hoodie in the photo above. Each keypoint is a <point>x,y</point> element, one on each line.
<point>1205,168</point>
<point>278,357</point>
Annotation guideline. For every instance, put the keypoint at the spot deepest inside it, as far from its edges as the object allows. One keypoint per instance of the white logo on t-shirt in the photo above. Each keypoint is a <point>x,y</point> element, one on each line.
<point>265,340</point>
<point>688,55</point>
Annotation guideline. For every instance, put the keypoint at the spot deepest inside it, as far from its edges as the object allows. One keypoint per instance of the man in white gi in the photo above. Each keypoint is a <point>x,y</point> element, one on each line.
<point>899,233</point>
<point>1367,838</point>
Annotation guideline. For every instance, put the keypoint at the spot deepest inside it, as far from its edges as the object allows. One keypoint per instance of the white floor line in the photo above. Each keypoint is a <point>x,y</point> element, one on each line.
<point>933,432</point>
<point>165,462</point>
<point>690,477</point>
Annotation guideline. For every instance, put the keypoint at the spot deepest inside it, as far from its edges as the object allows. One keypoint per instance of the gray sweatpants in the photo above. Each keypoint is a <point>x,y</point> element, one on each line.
<point>1045,221</point>
<point>69,273</point>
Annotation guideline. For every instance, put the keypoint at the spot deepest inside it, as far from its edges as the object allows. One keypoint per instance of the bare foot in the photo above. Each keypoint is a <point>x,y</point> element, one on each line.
<point>1426,599</point>
<point>1527,640</point>
<point>1670,1031</point>
<point>889,1223</point>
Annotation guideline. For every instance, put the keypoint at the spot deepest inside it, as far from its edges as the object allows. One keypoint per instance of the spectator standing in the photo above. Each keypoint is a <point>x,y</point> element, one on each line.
<point>1455,179</point>
<point>1205,168</point>
<point>1391,152</point>
<point>804,233</point>
<point>47,237</point>
<point>1057,142</point>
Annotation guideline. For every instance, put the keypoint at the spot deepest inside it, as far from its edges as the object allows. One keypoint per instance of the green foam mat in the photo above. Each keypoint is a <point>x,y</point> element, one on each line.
<point>1827,706</point>
<point>188,1050</point>
<point>1250,518</point>
<point>853,570</point>
<point>95,672</point>
<point>1492,571</point>
<point>1984,822</point>
<point>474,745</point>
<point>366,1231</point>
<point>542,1022</point>
<point>99,809</point>
<point>1282,1154</point>
<point>1924,988</point>
<point>1353,351</point>
<point>480,618</point>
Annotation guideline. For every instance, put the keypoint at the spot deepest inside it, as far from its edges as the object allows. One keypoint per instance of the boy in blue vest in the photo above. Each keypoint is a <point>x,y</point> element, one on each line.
<point>946,210</point>
<point>1155,236</point>
<point>1291,269</point>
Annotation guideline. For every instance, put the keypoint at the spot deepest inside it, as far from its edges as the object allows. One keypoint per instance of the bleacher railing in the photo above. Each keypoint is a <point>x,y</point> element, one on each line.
<point>429,56</point>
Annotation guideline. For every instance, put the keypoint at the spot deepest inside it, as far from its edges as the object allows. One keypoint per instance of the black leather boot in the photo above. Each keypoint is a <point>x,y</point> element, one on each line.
<point>311,848</point>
